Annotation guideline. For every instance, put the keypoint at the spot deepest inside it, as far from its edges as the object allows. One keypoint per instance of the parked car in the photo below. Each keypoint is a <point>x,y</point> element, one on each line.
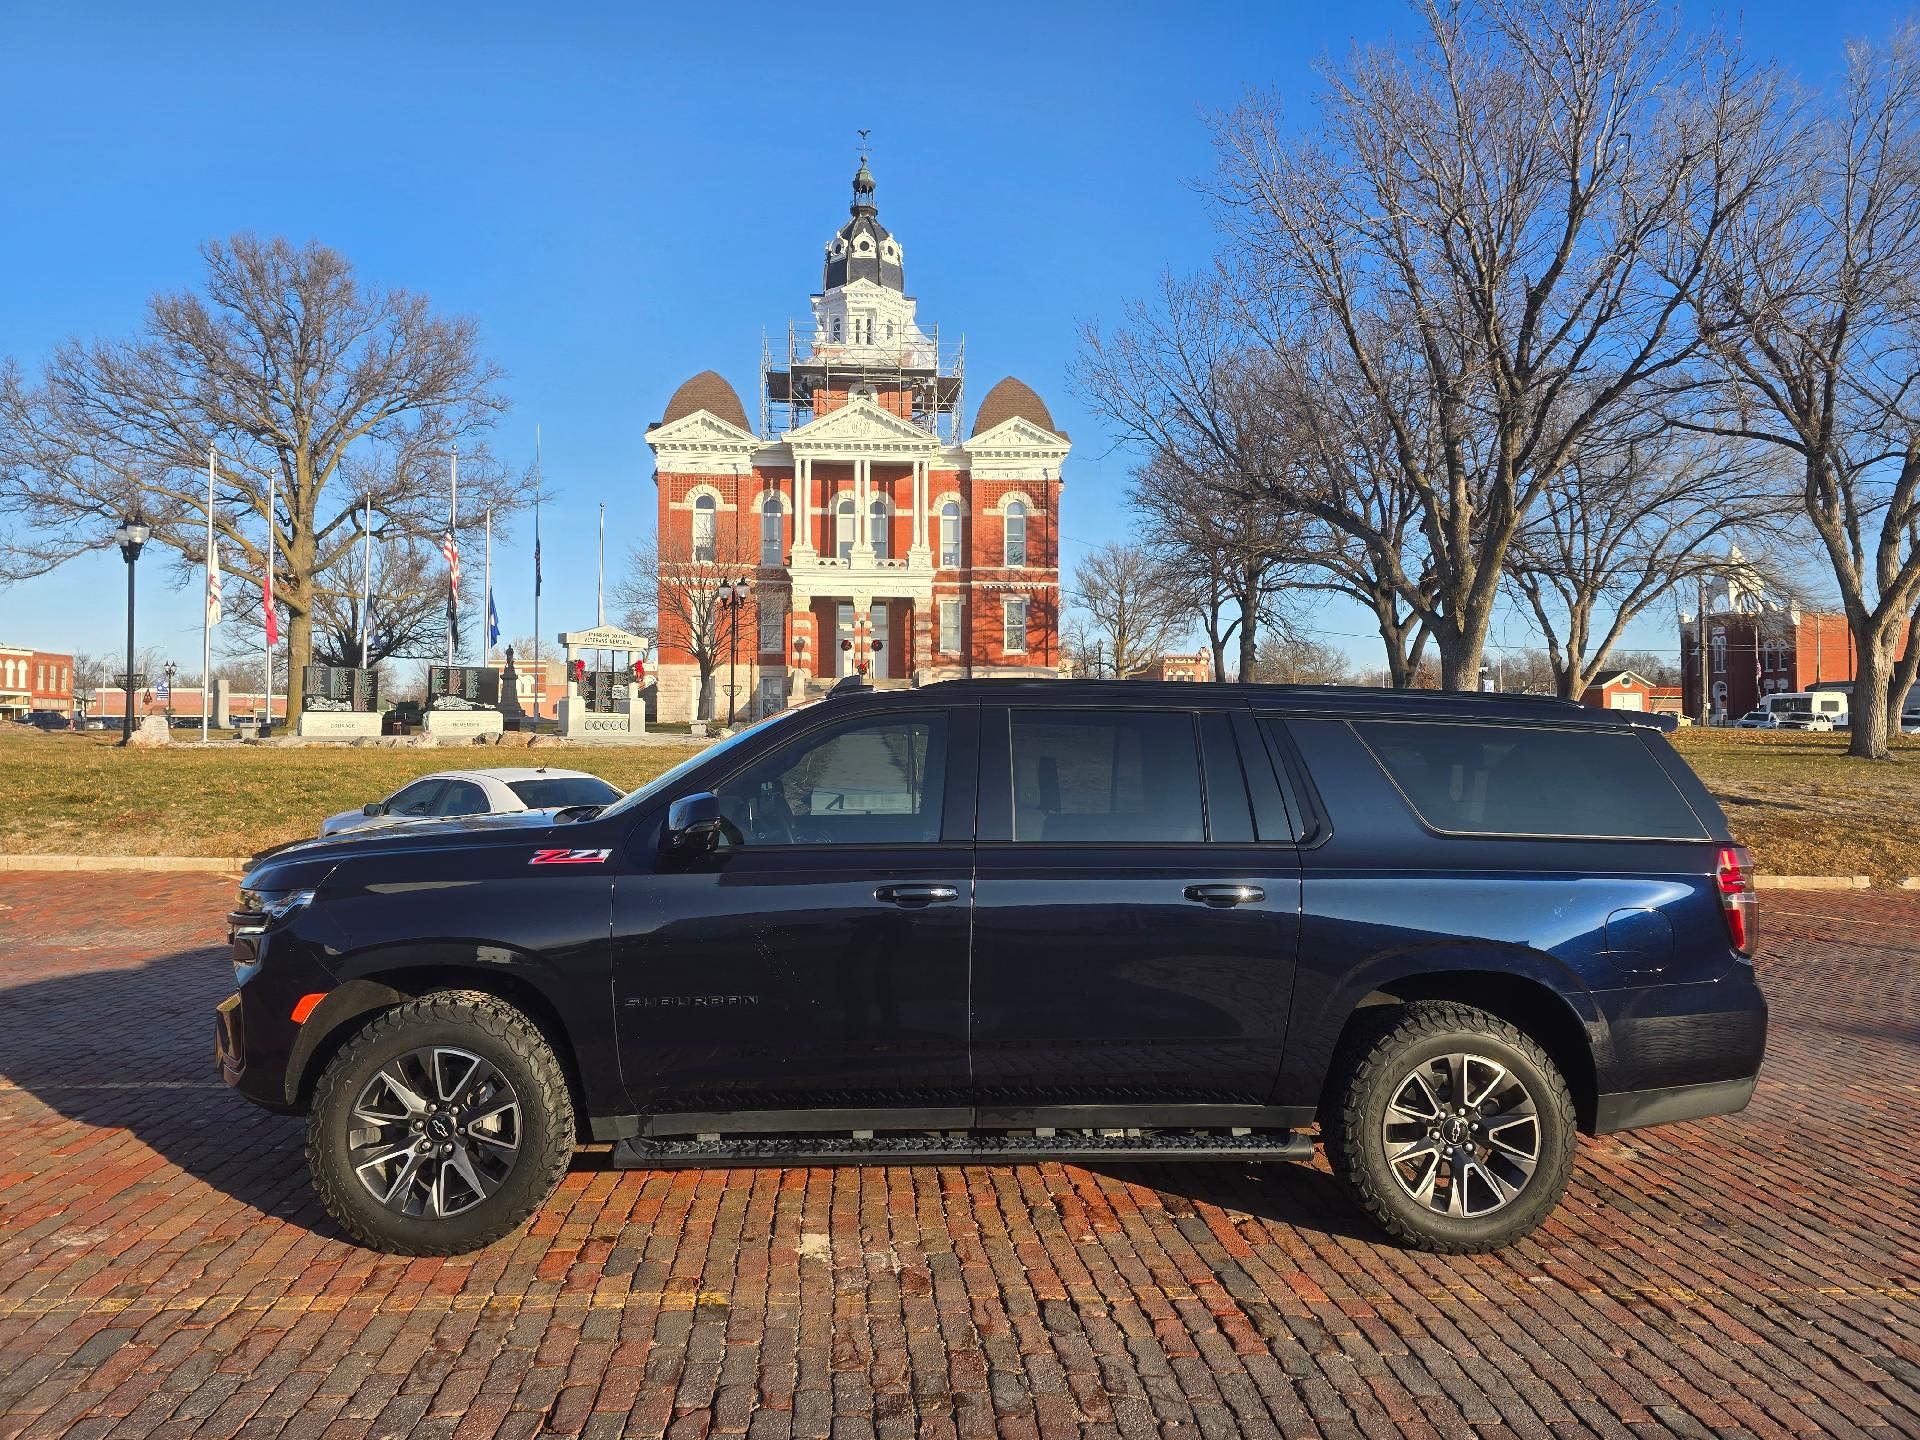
<point>1759,720</point>
<point>1017,920</point>
<point>476,792</point>
<point>1800,720</point>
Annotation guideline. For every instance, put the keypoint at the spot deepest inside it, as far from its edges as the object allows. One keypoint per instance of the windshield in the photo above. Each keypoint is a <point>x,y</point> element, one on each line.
<point>668,778</point>
<point>573,790</point>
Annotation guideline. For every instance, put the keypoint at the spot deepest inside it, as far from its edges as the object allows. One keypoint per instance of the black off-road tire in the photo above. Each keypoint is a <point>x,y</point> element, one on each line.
<point>483,1025</point>
<point>1369,1066</point>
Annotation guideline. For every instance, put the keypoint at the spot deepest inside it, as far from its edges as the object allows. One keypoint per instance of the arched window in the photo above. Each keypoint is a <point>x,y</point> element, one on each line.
<point>843,527</point>
<point>950,534</point>
<point>877,528</point>
<point>703,527</point>
<point>1016,533</point>
<point>770,519</point>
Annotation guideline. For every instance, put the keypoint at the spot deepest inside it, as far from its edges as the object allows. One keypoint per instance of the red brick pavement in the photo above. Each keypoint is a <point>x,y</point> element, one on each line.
<point>164,1270</point>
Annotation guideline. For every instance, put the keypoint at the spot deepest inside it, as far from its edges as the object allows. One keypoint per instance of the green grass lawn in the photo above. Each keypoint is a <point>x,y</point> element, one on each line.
<point>1797,799</point>
<point>82,795</point>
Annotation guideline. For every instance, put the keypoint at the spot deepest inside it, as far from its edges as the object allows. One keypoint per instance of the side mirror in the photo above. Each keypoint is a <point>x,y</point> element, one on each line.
<point>374,808</point>
<point>694,822</point>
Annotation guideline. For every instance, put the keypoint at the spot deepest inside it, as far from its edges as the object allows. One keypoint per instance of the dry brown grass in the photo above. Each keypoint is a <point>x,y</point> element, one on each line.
<point>81,794</point>
<point>1797,799</point>
<point>1808,808</point>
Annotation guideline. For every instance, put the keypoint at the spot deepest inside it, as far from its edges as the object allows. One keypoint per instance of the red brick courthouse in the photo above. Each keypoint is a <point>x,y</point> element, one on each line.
<point>873,527</point>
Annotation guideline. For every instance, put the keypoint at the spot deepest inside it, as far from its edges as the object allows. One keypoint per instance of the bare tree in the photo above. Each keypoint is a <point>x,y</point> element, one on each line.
<point>1504,215</point>
<point>1811,308</point>
<point>678,585</point>
<point>295,374</point>
<point>1624,523</point>
<point>408,612</point>
<point>1223,549</point>
<point>1128,608</point>
<point>1296,659</point>
<point>1257,425</point>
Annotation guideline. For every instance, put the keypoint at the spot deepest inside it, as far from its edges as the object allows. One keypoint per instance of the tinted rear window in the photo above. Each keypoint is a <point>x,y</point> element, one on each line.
<point>1096,776</point>
<point>546,794</point>
<point>1504,780</point>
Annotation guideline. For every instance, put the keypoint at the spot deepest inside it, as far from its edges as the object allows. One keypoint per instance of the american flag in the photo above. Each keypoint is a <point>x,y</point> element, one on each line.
<point>450,547</point>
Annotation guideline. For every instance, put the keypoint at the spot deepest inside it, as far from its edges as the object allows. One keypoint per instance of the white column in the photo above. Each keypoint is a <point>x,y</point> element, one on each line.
<point>920,468</point>
<point>802,503</point>
<point>862,485</point>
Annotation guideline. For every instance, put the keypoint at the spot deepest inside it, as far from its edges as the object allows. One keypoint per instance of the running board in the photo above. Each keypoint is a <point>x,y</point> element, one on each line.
<point>942,1149</point>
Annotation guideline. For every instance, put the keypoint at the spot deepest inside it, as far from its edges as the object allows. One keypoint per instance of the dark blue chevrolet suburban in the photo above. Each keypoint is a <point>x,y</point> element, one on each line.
<point>1009,920</point>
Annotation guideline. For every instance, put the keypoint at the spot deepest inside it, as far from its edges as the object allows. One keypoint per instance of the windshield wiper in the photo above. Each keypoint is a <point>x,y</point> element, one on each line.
<point>567,814</point>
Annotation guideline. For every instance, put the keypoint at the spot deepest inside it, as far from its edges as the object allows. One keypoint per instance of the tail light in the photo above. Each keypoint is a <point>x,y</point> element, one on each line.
<point>1733,878</point>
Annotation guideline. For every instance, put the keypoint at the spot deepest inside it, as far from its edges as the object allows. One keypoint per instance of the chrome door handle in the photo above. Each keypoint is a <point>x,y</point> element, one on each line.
<point>1222,896</point>
<point>916,894</point>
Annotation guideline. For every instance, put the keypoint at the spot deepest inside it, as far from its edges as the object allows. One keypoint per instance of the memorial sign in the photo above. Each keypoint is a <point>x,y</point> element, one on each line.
<point>338,702</point>
<point>463,701</point>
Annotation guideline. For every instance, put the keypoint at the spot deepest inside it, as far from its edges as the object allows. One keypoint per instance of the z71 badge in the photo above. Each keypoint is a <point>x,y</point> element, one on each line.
<point>569,857</point>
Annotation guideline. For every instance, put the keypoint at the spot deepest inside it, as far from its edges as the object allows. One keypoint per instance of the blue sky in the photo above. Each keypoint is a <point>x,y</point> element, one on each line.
<point>624,195</point>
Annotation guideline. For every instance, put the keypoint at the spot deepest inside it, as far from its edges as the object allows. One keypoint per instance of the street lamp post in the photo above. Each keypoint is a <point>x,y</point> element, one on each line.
<point>169,670</point>
<point>732,595</point>
<point>131,537</point>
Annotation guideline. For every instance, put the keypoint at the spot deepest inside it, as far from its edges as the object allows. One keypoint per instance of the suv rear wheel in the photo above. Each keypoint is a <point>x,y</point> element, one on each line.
<point>1450,1127</point>
<point>441,1126</point>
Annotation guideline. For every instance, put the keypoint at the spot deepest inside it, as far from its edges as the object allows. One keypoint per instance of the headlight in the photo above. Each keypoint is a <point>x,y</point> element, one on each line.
<point>261,908</point>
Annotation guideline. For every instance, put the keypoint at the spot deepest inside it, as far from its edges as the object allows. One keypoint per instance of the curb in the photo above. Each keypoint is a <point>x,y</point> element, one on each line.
<point>1813,882</point>
<point>213,865</point>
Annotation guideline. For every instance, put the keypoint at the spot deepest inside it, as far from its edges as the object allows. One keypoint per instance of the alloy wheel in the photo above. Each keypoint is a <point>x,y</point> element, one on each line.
<point>1462,1135</point>
<point>434,1131</point>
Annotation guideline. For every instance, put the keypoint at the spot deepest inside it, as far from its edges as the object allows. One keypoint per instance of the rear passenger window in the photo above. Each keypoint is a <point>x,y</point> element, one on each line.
<point>1504,780</point>
<point>1229,815</point>
<point>1083,776</point>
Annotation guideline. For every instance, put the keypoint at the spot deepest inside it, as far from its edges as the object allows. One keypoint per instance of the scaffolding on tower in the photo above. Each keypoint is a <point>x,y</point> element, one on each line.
<point>917,377</point>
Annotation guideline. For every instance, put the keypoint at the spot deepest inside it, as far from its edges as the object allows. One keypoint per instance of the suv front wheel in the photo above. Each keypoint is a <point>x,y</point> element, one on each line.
<point>441,1126</point>
<point>1450,1127</point>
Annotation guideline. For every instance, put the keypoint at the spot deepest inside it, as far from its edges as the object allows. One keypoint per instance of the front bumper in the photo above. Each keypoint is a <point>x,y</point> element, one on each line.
<point>256,1038</point>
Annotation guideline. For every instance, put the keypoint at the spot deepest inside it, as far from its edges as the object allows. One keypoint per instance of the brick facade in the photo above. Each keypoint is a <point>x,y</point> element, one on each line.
<point>34,680</point>
<point>1764,652</point>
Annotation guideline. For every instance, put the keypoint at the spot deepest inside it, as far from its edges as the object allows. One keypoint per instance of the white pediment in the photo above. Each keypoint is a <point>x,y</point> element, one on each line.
<point>702,429</point>
<point>1017,433</point>
<point>859,425</point>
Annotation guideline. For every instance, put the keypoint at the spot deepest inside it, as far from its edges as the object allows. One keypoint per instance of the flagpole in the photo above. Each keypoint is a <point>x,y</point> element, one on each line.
<point>266,722</point>
<point>366,587</point>
<point>600,572</point>
<point>539,676</point>
<point>206,615</point>
<point>486,595</point>
<point>453,531</point>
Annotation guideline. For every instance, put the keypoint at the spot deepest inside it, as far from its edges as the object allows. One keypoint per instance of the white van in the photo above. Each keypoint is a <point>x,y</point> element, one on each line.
<point>1808,709</point>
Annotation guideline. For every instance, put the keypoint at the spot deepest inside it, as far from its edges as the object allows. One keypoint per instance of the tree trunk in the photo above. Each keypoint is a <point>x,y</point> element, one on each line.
<point>1905,672</point>
<point>703,702</point>
<point>299,655</point>
<point>1873,669</point>
<point>1460,659</point>
<point>1249,601</point>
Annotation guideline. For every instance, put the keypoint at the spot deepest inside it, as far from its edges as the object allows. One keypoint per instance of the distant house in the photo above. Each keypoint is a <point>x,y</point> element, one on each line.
<point>1623,690</point>
<point>1666,700</point>
<point>1196,668</point>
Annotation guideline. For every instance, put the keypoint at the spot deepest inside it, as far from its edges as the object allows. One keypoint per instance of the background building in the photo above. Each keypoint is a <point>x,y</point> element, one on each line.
<point>1197,667</point>
<point>1763,650</point>
<point>874,534</point>
<point>33,680</point>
